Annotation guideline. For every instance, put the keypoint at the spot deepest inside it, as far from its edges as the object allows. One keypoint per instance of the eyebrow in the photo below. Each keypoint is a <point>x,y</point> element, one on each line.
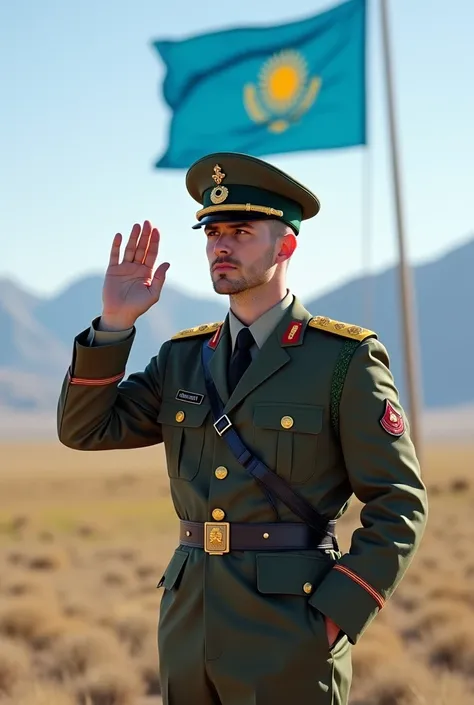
<point>234,225</point>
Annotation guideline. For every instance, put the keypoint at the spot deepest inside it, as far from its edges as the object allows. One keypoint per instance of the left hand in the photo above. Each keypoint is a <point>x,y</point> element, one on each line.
<point>332,630</point>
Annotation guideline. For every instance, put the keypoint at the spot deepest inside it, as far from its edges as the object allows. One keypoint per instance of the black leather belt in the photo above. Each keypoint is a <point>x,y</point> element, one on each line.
<point>218,537</point>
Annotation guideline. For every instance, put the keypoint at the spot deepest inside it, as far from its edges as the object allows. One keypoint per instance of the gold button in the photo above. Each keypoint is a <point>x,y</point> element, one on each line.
<point>179,416</point>
<point>188,533</point>
<point>221,472</point>
<point>218,514</point>
<point>307,587</point>
<point>266,536</point>
<point>287,422</point>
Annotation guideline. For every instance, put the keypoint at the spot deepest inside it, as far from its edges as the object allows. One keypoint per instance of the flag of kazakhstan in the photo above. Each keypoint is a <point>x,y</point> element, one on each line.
<point>267,90</point>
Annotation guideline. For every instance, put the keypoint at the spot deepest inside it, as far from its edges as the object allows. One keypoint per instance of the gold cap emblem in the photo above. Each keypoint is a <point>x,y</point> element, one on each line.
<point>218,175</point>
<point>219,194</point>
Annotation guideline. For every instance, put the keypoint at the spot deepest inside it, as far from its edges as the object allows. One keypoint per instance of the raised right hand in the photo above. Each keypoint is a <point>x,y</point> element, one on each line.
<point>130,288</point>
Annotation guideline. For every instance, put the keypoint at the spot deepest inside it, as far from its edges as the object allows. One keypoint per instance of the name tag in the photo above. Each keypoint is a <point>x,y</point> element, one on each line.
<point>190,397</point>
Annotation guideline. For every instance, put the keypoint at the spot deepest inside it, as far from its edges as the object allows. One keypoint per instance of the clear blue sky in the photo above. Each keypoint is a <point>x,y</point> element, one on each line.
<point>82,121</point>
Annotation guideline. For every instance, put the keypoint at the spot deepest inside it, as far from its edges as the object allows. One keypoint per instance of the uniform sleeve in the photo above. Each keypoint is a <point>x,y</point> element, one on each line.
<point>384,473</point>
<point>98,409</point>
<point>106,337</point>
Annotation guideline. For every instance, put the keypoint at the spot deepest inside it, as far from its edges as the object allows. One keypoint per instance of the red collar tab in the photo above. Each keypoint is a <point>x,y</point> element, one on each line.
<point>292,334</point>
<point>215,338</point>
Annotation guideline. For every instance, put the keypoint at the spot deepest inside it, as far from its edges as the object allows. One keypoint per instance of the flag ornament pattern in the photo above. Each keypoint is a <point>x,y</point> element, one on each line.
<point>284,93</point>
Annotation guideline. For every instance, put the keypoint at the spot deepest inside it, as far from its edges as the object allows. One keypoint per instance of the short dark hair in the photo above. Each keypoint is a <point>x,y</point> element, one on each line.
<point>278,228</point>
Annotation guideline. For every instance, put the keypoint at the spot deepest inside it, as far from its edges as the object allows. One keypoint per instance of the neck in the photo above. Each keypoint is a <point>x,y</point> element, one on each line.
<point>251,304</point>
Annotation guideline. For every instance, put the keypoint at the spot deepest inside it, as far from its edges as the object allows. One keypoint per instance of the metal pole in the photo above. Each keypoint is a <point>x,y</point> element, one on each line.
<point>408,306</point>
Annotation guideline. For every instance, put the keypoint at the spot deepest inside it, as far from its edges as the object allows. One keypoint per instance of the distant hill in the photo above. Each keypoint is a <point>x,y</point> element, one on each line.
<point>37,333</point>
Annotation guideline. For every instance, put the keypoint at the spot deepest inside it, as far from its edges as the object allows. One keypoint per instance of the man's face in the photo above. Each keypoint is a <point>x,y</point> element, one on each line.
<point>241,255</point>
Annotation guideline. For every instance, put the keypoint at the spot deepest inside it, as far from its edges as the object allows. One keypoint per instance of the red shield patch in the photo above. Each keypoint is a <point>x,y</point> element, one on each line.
<point>392,421</point>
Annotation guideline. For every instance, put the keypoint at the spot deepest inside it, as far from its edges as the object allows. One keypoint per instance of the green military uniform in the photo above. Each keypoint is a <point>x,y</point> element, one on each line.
<point>244,597</point>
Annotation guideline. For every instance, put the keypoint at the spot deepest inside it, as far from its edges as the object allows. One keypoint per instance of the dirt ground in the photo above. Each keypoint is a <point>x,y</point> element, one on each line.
<point>84,538</point>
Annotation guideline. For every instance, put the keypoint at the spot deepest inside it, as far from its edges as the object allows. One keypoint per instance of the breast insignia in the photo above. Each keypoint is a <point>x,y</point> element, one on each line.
<point>347,330</point>
<point>203,329</point>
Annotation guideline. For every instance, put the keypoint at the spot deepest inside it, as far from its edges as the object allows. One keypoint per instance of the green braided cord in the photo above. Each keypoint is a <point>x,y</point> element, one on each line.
<point>338,379</point>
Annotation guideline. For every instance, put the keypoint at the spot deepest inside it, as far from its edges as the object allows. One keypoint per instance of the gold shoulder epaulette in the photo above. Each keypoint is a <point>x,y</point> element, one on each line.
<point>197,330</point>
<point>347,330</point>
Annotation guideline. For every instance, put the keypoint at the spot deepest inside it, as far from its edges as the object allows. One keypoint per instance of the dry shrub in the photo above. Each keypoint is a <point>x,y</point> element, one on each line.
<point>449,689</point>
<point>460,484</point>
<point>408,598</point>
<point>35,693</point>
<point>396,683</point>
<point>147,666</point>
<point>457,591</point>
<point>47,559</point>
<point>133,631</point>
<point>81,609</point>
<point>146,571</point>
<point>452,648</point>
<point>18,584</point>
<point>15,664</point>
<point>429,562</point>
<point>116,577</point>
<point>437,614</point>
<point>87,530</point>
<point>404,683</point>
<point>469,571</point>
<point>35,622</point>
<point>108,685</point>
<point>378,646</point>
<point>15,557</point>
<point>116,554</point>
<point>41,558</point>
<point>75,654</point>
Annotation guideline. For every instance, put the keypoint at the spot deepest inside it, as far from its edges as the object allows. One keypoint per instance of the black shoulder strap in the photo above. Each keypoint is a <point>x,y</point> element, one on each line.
<point>338,378</point>
<point>273,483</point>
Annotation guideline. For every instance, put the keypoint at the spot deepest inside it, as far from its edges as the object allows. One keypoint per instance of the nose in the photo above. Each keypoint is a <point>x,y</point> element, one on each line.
<point>222,246</point>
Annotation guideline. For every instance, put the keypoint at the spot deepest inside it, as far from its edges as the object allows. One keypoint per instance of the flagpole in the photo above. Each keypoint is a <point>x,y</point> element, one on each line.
<point>406,287</point>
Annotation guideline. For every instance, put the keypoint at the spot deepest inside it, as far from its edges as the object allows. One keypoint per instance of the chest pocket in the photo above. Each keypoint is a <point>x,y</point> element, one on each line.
<point>286,438</point>
<point>183,427</point>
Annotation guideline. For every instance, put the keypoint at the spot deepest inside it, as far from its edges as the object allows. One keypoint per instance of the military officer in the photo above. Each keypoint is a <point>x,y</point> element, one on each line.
<point>271,420</point>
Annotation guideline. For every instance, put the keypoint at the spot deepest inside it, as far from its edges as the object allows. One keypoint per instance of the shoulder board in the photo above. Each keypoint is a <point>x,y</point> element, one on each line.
<point>197,330</point>
<point>347,330</point>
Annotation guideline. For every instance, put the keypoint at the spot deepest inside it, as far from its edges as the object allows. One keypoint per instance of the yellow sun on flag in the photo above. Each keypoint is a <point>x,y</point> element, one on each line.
<point>282,80</point>
<point>283,93</point>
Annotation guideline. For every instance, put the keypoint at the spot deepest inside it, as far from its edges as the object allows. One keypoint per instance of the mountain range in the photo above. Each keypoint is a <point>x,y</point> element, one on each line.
<point>37,332</point>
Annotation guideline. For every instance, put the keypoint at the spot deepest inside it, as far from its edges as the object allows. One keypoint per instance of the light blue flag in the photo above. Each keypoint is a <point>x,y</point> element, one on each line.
<point>267,90</point>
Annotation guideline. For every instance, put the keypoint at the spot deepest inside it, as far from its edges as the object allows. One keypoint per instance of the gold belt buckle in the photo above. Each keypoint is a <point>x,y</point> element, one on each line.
<point>216,537</point>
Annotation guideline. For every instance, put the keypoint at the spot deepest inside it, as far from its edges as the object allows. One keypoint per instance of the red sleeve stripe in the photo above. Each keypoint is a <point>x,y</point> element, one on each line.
<point>360,581</point>
<point>95,382</point>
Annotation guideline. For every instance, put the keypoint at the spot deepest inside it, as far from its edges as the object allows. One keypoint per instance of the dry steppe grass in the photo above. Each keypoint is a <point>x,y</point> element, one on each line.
<point>84,538</point>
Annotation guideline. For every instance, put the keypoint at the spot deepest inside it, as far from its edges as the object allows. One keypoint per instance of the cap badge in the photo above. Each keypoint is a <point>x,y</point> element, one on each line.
<point>218,175</point>
<point>219,193</point>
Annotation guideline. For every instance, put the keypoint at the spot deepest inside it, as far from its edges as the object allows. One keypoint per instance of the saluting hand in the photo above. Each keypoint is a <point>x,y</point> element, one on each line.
<point>130,287</point>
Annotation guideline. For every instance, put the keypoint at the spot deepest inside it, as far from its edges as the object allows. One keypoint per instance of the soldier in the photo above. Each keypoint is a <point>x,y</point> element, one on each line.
<point>270,421</point>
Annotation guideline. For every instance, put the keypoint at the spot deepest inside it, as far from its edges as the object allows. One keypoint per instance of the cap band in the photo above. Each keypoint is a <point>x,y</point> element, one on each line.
<point>254,199</point>
<point>239,207</point>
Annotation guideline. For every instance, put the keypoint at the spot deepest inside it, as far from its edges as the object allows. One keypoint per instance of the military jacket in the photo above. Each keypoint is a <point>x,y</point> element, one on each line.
<point>281,409</point>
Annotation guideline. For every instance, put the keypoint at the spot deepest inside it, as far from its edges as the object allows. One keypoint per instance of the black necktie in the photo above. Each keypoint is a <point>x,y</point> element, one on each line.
<point>241,358</point>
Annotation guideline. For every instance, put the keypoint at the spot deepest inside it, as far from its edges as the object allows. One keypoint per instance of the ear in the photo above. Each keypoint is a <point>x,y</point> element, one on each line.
<point>287,247</point>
